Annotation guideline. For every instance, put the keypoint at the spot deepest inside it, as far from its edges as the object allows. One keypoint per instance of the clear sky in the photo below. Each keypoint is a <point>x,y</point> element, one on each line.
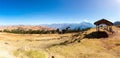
<point>57,11</point>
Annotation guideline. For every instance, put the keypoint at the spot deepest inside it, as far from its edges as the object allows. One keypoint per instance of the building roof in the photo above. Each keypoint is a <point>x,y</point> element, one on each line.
<point>103,21</point>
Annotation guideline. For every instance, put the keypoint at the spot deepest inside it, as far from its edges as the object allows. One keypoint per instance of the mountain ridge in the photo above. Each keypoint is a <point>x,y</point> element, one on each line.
<point>72,26</point>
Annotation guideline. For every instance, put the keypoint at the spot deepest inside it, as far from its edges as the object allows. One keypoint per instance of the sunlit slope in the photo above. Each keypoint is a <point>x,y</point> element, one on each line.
<point>90,48</point>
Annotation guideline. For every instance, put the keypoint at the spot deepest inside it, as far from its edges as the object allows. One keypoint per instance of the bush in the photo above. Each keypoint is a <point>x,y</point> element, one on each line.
<point>0,30</point>
<point>22,31</point>
<point>5,30</point>
<point>30,31</point>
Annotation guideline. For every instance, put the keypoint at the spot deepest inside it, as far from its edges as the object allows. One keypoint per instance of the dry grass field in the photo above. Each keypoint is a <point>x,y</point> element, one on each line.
<point>48,46</point>
<point>28,45</point>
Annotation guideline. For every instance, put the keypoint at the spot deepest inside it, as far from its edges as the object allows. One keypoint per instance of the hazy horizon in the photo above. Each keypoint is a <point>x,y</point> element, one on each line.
<point>35,12</point>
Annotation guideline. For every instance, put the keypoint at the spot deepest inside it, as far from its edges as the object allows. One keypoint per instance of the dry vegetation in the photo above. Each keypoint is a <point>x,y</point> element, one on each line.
<point>49,45</point>
<point>90,48</point>
<point>28,45</point>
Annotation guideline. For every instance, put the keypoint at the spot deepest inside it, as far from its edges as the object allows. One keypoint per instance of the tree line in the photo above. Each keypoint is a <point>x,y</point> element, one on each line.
<point>30,31</point>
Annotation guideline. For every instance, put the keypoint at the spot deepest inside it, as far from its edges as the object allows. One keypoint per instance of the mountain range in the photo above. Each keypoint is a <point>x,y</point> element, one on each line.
<point>72,26</point>
<point>117,23</point>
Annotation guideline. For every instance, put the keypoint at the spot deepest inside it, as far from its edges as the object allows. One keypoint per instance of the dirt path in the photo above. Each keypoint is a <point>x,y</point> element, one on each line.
<point>5,54</point>
<point>6,50</point>
<point>111,37</point>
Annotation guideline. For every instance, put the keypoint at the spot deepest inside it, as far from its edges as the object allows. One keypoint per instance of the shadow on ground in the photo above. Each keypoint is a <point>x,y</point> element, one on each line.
<point>97,34</point>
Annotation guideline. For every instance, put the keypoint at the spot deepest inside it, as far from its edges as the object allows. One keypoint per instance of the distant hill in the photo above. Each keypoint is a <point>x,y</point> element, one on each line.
<point>117,23</point>
<point>25,27</point>
<point>82,25</point>
<point>49,26</point>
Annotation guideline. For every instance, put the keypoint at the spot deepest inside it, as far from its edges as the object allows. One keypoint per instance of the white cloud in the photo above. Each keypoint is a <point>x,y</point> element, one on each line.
<point>86,20</point>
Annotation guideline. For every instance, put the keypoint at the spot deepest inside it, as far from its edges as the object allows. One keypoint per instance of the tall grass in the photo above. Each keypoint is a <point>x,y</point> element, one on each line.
<point>30,54</point>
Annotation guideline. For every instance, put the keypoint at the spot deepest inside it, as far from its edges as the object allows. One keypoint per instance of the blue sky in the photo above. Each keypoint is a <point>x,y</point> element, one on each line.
<point>34,12</point>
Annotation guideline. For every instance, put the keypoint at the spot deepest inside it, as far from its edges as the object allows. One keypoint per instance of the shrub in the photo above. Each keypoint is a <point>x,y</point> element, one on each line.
<point>30,31</point>
<point>6,30</point>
